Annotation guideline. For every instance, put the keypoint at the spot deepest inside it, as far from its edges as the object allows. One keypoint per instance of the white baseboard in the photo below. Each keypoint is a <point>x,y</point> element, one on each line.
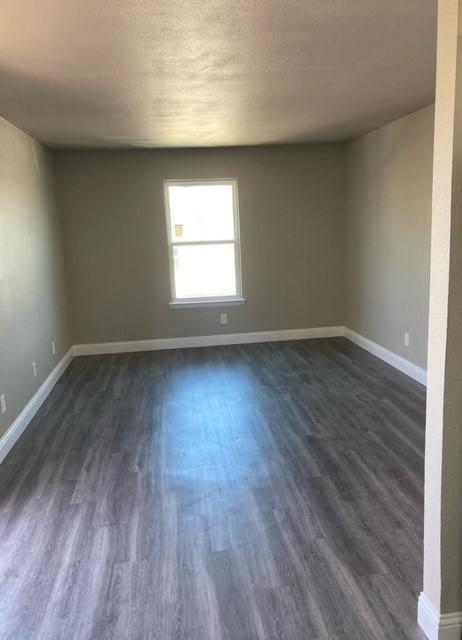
<point>407,367</point>
<point>12,435</point>
<point>206,341</point>
<point>437,626</point>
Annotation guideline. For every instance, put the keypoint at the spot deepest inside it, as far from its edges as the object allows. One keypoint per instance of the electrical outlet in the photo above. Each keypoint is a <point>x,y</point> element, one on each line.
<point>407,340</point>
<point>224,318</point>
<point>3,403</point>
<point>34,369</point>
<point>53,348</point>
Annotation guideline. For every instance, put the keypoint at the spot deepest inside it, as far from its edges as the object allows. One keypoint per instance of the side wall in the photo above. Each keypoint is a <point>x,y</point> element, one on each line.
<point>389,184</point>
<point>291,203</point>
<point>33,310</point>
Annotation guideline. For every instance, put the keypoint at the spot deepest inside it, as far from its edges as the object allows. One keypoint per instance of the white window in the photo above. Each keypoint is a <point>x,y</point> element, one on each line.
<point>203,242</point>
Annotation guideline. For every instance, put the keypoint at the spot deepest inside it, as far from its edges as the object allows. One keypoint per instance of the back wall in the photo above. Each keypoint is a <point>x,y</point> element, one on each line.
<point>291,205</point>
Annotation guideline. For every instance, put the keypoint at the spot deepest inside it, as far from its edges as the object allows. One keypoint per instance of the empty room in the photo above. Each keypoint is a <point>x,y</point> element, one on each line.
<point>230,320</point>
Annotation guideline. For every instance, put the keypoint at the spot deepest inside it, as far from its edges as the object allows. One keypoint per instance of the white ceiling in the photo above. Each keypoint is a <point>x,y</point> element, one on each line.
<point>212,72</point>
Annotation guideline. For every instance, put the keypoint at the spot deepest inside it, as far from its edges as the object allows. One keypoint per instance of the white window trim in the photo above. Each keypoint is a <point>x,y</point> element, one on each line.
<point>212,301</point>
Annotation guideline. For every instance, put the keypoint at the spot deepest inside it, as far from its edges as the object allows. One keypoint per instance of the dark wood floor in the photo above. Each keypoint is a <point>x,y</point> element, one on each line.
<point>270,491</point>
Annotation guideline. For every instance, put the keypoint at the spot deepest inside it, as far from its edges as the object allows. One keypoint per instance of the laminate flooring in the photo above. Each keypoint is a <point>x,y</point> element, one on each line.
<point>265,491</point>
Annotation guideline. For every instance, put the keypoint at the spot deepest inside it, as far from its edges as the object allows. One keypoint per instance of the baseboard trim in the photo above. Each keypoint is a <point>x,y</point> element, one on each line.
<point>405,366</point>
<point>206,341</point>
<point>14,432</point>
<point>437,626</point>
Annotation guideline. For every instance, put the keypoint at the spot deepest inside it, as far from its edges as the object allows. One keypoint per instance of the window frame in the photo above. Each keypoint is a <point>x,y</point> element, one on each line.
<point>210,301</point>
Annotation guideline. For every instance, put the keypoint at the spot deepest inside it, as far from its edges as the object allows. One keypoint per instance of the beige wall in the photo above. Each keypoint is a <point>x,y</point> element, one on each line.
<point>443,442</point>
<point>32,293</point>
<point>451,400</point>
<point>451,538</point>
<point>291,202</point>
<point>388,240</point>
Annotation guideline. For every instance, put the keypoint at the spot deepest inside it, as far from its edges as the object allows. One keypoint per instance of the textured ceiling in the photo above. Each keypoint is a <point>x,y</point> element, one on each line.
<point>212,72</point>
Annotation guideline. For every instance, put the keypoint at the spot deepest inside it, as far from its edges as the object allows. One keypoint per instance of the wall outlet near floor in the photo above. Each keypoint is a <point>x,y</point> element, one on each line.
<point>53,348</point>
<point>407,340</point>
<point>34,369</point>
<point>224,318</point>
<point>3,403</point>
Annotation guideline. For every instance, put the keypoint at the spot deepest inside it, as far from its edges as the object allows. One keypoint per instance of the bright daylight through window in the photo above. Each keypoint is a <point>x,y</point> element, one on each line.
<point>203,238</point>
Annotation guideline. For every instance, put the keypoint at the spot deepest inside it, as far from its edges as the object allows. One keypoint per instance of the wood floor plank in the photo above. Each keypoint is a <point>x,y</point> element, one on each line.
<point>266,491</point>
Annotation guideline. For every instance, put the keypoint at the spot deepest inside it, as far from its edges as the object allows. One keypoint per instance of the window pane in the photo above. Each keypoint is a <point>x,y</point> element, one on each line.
<point>201,212</point>
<point>202,271</point>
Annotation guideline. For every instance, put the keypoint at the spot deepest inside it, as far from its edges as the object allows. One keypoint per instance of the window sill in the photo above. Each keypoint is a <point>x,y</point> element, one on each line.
<point>217,302</point>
